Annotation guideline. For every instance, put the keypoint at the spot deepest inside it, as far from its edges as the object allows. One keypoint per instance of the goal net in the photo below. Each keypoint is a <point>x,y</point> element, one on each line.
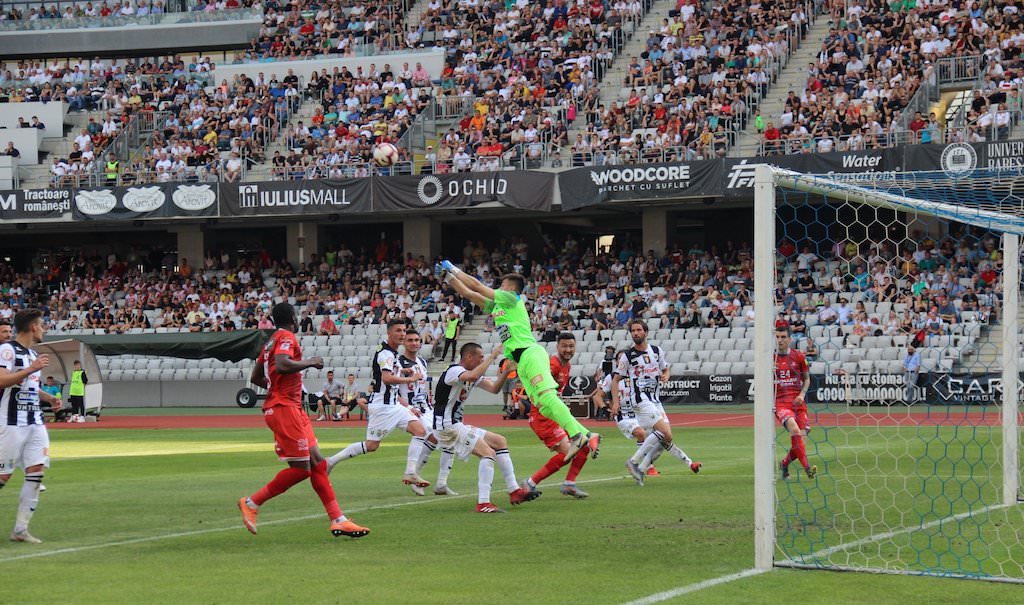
<point>895,290</point>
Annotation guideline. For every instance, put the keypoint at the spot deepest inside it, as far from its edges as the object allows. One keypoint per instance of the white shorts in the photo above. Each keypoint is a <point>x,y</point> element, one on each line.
<point>386,418</point>
<point>648,414</point>
<point>427,420</point>
<point>23,447</point>
<point>460,438</point>
<point>627,425</point>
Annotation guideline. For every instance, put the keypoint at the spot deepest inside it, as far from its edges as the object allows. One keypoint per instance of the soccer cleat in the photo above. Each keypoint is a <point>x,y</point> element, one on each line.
<point>416,489</point>
<point>653,472</point>
<point>635,472</point>
<point>695,467</point>
<point>24,536</point>
<point>581,440</point>
<point>572,490</point>
<point>348,528</point>
<point>249,515</point>
<point>523,494</point>
<point>784,470</point>
<point>415,480</point>
<point>594,443</point>
<point>530,489</point>
<point>487,507</point>
<point>444,490</point>
<point>812,471</point>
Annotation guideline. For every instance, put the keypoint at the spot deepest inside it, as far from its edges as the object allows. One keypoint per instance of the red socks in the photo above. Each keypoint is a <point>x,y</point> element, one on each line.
<point>798,452</point>
<point>550,468</point>
<point>279,484</point>
<point>323,488</point>
<point>577,464</point>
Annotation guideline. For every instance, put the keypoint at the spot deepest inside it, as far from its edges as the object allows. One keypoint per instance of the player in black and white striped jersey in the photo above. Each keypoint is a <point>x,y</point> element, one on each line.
<point>386,412</point>
<point>24,441</point>
<point>453,388</point>
<point>646,368</point>
<point>418,397</point>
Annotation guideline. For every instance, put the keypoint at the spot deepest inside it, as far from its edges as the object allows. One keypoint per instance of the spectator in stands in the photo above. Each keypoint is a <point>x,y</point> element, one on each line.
<point>11,150</point>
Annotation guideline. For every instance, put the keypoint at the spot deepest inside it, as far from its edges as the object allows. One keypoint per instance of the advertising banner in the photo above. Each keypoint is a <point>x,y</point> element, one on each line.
<point>522,189</point>
<point>156,200</point>
<point>34,204</point>
<point>272,198</point>
<point>597,184</point>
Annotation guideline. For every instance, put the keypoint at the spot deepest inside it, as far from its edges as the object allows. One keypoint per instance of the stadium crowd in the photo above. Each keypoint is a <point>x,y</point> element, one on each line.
<point>703,71</point>
<point>930,287</point>
<point>875,58</point>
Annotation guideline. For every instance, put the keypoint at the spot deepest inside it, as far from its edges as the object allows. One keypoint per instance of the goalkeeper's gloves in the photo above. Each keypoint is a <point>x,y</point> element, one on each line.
<point>438,270</point>
<point>448,266</point>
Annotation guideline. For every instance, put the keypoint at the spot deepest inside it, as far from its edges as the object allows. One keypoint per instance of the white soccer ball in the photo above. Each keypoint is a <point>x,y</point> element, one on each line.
<point>385,154</point>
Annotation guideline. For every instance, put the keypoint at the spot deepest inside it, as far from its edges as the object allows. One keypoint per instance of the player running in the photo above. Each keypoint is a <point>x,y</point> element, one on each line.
<point>279,368</point>
<point>551,434</point>
<point>624,414</point>
<point>453,387</point>
<point>386,411</point>
<point>645,365</point>
<point>508,308</point>
<point>24,442</point>
<point>418,397</point>
<point>792,379</point>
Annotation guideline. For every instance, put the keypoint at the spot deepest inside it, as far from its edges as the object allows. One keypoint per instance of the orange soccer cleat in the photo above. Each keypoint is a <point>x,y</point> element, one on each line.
<point>653,472</point>
<point>348,528</point>
<point>523,495</point>
<point>249,515</point>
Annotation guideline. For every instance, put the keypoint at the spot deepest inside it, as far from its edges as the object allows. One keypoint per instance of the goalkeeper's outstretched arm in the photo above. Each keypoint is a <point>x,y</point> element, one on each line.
<point>466,285</point>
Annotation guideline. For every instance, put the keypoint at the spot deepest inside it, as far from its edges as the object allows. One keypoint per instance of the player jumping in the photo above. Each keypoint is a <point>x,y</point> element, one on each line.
<point>508,308</point>
<point>279,368</point>
<point>792,379</point>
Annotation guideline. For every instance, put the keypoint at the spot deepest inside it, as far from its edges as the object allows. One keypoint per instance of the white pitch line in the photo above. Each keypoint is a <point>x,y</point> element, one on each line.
<point>691,588</point>
<point>236,527</point>
<point>892,534</point>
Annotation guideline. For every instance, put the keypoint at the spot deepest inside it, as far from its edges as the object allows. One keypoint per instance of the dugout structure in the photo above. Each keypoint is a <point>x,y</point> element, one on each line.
<point>926,481</point>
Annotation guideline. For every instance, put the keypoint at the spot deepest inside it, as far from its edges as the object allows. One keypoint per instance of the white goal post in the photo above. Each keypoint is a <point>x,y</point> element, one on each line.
<point>937,202</point>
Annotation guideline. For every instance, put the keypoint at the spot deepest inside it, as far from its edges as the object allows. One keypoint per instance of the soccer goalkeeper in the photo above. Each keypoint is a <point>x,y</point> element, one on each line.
<point>513,326</point>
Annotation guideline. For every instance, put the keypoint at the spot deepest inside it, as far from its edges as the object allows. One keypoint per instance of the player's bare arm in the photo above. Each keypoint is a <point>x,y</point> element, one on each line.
<point>801,398</point>
<point>9,378</point>
<point>47,398</point>
<point>286,365</point>
<point>408,376</point>
<point>614,408</point>
<point>494,386</point>
<point>471,376</point>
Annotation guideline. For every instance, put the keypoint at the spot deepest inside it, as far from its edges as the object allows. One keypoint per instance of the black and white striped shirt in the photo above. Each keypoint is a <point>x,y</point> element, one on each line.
<point>19,404</point>
<point>450,394</point>
<point>385,360</point>
<point>644,369</point>
<point>416,394</point>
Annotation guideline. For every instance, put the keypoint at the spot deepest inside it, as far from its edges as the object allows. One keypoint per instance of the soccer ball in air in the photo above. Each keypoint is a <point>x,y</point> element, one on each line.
<point>385,154</point>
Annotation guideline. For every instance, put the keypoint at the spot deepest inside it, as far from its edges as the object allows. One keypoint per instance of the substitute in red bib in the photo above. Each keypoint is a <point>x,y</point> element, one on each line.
<point>792,379</point>
<point>279,368</point>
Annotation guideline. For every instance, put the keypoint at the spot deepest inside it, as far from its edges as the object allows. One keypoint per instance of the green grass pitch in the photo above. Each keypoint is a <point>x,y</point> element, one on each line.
<point>149,517</point>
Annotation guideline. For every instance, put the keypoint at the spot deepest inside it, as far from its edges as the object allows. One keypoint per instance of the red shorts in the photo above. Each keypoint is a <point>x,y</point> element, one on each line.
<point>548,430</point>
<point>785,412</point>
<point>293,433</point>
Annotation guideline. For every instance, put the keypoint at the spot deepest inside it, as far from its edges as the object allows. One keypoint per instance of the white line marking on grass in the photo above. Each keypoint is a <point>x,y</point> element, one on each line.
<point>712,420</point>
<point>691,588</point>
<point>896,532</point>
<point>237,527</point>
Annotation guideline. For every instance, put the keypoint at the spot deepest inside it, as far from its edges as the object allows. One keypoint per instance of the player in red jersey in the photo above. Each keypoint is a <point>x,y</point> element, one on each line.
<point>792,379</point>
<point>554,436</point>
<point>279,368</point>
